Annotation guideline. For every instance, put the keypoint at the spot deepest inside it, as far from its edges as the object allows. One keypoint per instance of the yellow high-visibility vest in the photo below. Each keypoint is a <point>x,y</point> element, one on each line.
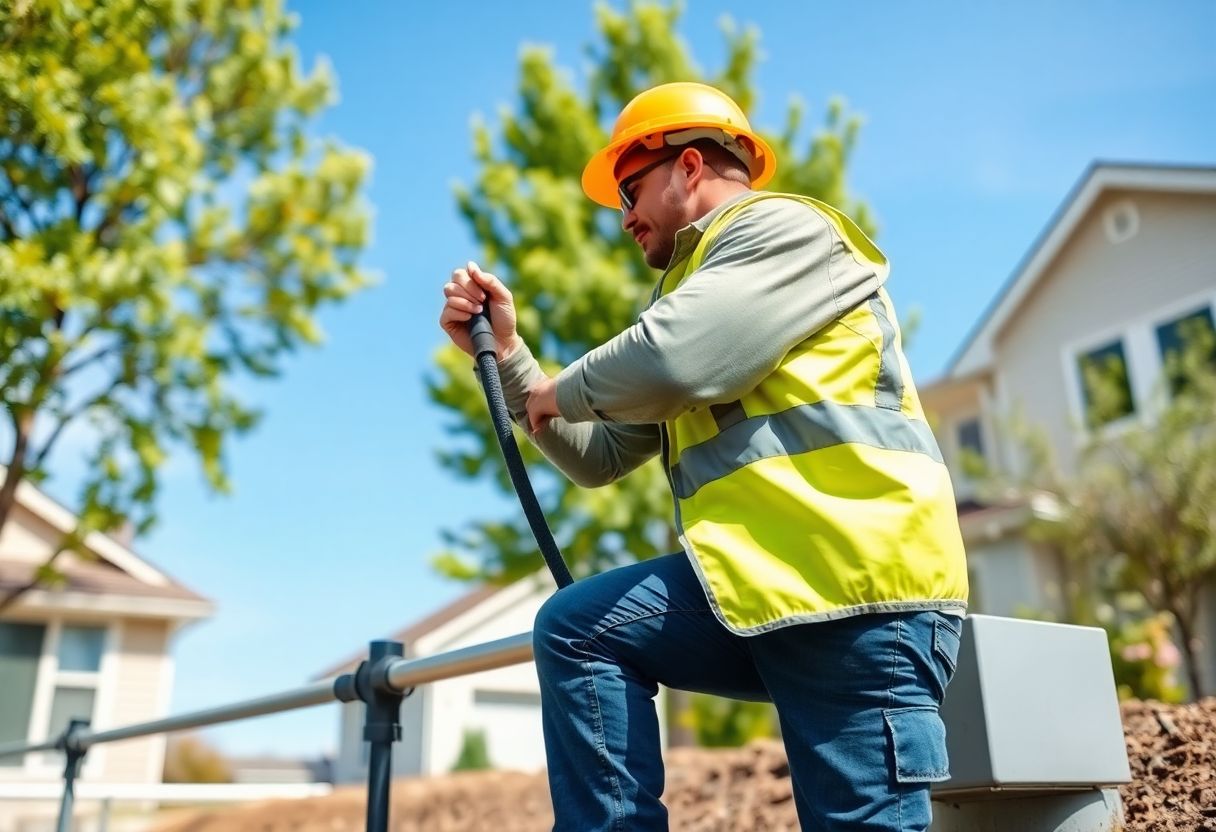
<point>822,492</point>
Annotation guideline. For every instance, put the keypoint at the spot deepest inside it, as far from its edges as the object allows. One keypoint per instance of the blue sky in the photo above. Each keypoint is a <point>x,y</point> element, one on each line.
<point>979,118</point>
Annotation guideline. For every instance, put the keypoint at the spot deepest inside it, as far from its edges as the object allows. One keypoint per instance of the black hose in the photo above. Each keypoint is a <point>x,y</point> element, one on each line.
<point>487,366</point>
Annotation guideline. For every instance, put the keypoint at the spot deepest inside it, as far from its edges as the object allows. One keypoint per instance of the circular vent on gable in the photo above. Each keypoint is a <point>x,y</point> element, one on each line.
<point>1121,221</point>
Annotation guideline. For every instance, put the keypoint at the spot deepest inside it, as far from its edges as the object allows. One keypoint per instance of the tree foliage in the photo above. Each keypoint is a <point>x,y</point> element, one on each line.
<point>1137,516</point>
<point>578,279</point>
<point>474,751</point>
<point>189,759</point>
<point>167,227</point>
<point>728,723</point>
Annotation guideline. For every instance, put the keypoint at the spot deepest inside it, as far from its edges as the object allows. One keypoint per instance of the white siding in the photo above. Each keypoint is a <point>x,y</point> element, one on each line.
<point>142,664</point>
<point>350,763</point>
<point>1095,289</point>
<point>514,734</point>
<point>1012,578</point>
<point>27,538</point>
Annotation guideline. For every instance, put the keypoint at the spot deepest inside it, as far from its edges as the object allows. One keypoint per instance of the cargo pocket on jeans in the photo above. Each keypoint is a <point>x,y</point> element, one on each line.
<point>918,740</point>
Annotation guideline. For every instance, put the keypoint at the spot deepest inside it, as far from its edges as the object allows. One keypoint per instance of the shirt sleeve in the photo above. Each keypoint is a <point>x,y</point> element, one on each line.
<point>590,454</point>
<point>774,276</point>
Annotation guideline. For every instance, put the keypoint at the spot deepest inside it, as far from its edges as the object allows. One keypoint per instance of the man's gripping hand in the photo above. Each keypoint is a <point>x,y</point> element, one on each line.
<point>469,289</point>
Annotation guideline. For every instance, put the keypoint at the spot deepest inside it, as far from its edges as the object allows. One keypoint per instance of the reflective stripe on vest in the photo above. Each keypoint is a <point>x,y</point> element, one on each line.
<point>822,492</point>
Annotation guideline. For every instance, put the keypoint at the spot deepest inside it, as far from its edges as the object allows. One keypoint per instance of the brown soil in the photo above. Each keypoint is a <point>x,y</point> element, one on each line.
<point>1172,750</point>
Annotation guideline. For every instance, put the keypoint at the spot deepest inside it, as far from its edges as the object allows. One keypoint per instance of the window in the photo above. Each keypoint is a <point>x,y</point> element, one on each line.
<point>971,437</point>
<point>80,649</point>
<point>1193,331</point>
<point>1106,391</point>
<point>507,698</point>
<point>78,669</point>
<point>20,652</point>
<point>969,440</point>
<point>72,657</point>
<point>70,703</point>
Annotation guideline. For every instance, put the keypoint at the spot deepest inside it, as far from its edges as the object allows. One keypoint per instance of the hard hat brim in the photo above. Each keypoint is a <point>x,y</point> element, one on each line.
<point>599,181</point>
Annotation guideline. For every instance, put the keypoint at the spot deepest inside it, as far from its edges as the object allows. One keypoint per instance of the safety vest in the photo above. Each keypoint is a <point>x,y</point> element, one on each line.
<point>821,493</point>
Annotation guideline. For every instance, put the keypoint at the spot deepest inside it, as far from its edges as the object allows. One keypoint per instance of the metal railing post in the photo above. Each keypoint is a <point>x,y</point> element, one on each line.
<point>382,725</point>
<point>74,754</point>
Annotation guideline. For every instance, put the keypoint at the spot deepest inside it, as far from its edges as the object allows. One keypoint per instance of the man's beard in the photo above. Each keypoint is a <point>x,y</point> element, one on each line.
<point>665,237</point>
<point>659,258</point>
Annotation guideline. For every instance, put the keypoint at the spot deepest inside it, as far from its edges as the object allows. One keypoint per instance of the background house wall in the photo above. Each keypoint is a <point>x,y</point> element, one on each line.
<point>1097,290</point>
<point>1132,248</point>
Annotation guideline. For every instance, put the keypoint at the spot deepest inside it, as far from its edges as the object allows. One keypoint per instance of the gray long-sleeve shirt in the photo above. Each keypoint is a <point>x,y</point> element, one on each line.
<point>774,276</point>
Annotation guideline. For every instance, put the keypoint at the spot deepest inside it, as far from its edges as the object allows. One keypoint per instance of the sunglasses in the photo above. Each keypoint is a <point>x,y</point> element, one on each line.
<point>624,189</point>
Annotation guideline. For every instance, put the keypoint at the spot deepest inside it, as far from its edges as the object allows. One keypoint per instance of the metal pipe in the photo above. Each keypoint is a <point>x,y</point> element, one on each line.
<point>408,673</point>
<point>10,749</point>
<point>402,675</point>
<point>379,786</point>
<point>68,801</point>
<point>381,727</point>
<point>314,694</point>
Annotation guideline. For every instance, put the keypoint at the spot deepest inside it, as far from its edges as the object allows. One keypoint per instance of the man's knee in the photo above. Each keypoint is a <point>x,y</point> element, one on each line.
<point>554,633</point>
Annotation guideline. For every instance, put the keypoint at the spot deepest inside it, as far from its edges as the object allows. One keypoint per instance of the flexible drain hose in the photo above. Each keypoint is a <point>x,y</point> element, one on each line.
<point>487,366</point>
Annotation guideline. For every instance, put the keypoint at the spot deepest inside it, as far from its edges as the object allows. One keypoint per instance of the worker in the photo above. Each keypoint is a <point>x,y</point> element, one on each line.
<point>822,567</point>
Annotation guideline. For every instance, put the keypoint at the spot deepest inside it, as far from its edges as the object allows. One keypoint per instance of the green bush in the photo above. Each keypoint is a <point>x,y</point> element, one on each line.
<point>474,753</point>
<point>726,723</point>
<point>1146,660</point>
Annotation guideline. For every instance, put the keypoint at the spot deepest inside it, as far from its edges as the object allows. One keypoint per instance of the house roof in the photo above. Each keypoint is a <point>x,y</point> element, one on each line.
<point>411,633</point>
<point>118,570</point>
<point>975,353</point>
<point>437,630</point>
<point>100,578</point>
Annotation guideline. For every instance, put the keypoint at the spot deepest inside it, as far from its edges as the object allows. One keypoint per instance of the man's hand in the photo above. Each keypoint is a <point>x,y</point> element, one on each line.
<point>468,289</point>
<point>542,404</point>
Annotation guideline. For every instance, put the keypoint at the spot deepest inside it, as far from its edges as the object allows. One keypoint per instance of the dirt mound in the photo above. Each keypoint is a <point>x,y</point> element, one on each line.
<point>1172,750</point>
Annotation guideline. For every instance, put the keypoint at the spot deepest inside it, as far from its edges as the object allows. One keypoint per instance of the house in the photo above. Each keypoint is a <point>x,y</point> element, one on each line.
<point>95,648</point>
<point>1127,259</point>
<point>503,703</point>
<point>279,770</point>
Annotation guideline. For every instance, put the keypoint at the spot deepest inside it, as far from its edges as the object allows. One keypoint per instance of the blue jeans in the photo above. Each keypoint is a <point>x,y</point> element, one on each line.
<point>857,698</point>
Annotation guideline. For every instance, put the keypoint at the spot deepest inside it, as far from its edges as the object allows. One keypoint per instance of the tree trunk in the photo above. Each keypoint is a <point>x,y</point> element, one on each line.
<point>13,595</point>
<point>23,423</point>
<point>1186,630</point>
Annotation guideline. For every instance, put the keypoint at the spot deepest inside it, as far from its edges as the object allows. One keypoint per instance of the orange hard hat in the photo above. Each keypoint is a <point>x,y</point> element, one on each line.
<point>676,114</point>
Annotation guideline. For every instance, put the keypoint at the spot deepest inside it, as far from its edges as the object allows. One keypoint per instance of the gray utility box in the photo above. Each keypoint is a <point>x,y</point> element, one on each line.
<point>1032,709</point>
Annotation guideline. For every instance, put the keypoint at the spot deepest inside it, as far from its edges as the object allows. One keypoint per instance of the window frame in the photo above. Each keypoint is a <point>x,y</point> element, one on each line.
<point>977,419</point>
<point>1138,402</point>
<point>49,677</point>
<point>1145,366</point>
<point>965,486</point>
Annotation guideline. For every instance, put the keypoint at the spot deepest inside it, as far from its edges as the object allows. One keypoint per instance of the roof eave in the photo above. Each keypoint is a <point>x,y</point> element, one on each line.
<point>975,352</point>
<point>115,604</point>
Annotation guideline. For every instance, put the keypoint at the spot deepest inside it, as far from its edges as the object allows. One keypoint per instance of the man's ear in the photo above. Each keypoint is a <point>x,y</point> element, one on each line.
<point>693,164</point>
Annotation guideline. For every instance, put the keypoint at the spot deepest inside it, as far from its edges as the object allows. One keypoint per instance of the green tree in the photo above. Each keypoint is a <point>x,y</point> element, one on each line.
<point>167,227</point>
<point>190,760</point>
<point>578,279</point>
